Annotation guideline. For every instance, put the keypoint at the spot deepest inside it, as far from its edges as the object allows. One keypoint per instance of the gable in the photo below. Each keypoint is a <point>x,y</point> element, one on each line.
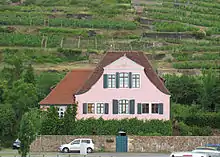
<point>135,56</point>
<point>123,63</point>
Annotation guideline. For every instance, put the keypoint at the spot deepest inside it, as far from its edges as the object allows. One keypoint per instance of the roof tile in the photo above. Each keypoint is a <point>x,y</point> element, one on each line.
<point>66,88</point>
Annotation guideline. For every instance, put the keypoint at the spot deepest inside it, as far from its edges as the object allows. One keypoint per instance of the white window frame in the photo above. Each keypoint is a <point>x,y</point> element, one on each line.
<point>111,80</point>
<point>61,111</point>
<point>123,104</point>
<point>136,80</point>
<point>101,108</point>
<point>123,80</point>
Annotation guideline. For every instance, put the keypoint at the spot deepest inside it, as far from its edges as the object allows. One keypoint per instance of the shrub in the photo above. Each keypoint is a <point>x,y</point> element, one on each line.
<point>72,54</point>
<point>186,130</point>
<point>130,126</point>
<point>18,39</point>
<point>173,27</point>
<point>204,119</point>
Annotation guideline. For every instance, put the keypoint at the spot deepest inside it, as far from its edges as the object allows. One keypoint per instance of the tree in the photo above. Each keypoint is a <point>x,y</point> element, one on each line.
<point>30,126</point>
<point>22,96</point>
<point>51,123</point>
<point>14,65</point>
<point>29,75</point>
<point>45,81</point>
<point>69,120</point>
<point>210,90</point>
<point>7,123</point>
<point>184,89</point>
<point>3,90</point>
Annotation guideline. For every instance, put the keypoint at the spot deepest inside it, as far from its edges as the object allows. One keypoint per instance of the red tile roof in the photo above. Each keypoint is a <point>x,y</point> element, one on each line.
<point>66,88</point>
<point>135,56</point>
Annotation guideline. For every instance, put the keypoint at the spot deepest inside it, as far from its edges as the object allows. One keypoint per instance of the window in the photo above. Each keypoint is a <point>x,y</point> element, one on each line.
<point>100,108</point>
<point>111,80</point>
<point>75,142</point>
<point>145,108</point>
<point>123,80</point>
<point>123,107</point>
<point>135,81</point>
<point>61,111</point>
<point>91,108</point>
<point>155,108</point>
<point>86,141</point>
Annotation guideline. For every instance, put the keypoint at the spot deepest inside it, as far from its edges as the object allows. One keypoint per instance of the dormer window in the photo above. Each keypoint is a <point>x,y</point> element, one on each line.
<point>135,81</point>
<point>111,81</point>
<point>123,80</point>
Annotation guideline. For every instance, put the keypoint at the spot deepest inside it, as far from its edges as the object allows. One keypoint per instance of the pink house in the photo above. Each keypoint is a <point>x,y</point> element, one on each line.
<point>123,85</point>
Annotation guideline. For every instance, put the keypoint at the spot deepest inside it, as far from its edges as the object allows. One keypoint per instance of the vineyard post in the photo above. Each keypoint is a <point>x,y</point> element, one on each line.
<point>79,42</point>
<point>113,44</point>
<point>48,22</point>
<point>42,41</point>
<point>61,24</point>
<point>30,22</point>
<point>61,42</point>
<point>96,46</point>
<point>46,42</point>
<point>130,46</point>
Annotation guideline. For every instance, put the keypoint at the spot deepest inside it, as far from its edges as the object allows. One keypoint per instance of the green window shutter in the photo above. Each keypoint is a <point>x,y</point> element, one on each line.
<point>106,108</point>
<point>105,81</point>
<point>160,107</point>
<point>115,106</point>
<point>84,108</point>
<point>132,106</point>
<point>139,108</point>
<point>130,80</point>
<point>117,79</point>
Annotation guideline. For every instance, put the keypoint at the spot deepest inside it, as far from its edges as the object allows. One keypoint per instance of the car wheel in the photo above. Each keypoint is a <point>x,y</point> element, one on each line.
<point>89,150</point>
<point>65,150</point>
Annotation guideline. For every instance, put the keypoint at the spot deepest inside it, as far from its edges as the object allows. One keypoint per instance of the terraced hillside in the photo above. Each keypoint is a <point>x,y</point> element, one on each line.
<point>178,36</point>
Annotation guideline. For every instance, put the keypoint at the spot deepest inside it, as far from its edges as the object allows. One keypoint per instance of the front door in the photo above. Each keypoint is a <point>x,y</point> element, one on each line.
<point>75,145</point>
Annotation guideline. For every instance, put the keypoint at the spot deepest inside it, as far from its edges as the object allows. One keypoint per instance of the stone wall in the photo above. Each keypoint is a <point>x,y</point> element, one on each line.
<point>135,143</point>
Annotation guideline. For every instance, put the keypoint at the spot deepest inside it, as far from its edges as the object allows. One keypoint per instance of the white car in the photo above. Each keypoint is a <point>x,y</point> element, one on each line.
<point>75,145</point>
<point>198,152</point>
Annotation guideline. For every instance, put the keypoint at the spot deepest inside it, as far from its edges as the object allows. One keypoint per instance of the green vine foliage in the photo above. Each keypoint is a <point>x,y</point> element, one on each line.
<point>110,127</point>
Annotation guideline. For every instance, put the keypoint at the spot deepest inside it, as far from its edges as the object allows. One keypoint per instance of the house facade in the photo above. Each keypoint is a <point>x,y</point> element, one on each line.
<point>123,85</point>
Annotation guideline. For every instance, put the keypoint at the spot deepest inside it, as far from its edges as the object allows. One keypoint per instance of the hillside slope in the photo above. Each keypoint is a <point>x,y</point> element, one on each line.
<point>178,36</point>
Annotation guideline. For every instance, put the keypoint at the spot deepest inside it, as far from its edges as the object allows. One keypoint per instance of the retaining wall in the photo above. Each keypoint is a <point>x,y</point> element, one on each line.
<point>135,143</point>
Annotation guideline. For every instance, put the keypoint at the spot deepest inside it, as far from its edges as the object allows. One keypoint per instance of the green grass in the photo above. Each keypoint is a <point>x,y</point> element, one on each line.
<point>38,19</point>
<point>173,27</point>
<point>24,27</point>
<point>203,56</point>
<point>40,56</point>
<point>196,65</point>
<point>18,39</point>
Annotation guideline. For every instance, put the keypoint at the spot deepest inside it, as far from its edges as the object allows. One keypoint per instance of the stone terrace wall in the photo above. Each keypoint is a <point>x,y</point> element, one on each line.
<point>50,143</point>
<point>135,143</point>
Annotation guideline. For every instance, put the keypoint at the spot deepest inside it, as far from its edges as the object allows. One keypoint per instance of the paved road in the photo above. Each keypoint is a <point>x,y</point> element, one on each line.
<point>9,153</point>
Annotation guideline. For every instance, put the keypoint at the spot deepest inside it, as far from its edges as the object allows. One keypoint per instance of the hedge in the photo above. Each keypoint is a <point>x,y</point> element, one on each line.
<point>112,127</point>
<point>204,119</point>
<point>186,130</point>
<point>130,126</point>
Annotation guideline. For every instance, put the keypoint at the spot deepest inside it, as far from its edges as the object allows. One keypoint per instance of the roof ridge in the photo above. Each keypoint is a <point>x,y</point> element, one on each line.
<point>82,69</point>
